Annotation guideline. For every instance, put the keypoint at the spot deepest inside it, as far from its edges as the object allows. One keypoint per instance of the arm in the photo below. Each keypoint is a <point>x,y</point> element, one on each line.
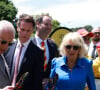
<point>8,88</point>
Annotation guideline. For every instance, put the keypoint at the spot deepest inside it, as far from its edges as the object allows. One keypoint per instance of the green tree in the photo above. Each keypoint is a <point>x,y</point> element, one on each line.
<point>88,27</point>
<point>7,10</point>
<point>55,24</point>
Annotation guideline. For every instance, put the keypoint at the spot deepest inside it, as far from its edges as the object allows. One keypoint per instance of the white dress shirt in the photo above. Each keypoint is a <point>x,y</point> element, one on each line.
<point>25,45</point>
<point>38,40</point>
<point>91,47</point>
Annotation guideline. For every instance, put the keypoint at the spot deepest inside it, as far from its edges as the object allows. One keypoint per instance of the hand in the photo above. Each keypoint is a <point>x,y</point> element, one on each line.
<point>8,88</point>
<point>44,83</point>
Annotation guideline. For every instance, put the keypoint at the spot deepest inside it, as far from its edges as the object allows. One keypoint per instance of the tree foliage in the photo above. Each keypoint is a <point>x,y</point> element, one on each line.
<point>55,24</point>
<point>87,27</point>
<point>7,10</point>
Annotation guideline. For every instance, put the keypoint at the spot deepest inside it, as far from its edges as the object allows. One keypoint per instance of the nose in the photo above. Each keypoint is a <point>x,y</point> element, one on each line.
<point>71,49</point>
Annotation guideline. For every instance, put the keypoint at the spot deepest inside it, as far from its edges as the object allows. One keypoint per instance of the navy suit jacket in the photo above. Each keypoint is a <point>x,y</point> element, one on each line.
<point>53,52</point>
<point>32,63</point>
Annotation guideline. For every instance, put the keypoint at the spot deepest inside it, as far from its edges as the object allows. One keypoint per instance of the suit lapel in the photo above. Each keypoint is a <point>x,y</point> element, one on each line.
<point>34,41</point>
<point>50,49</point>
<point>2,68</point>
<point>10,56</point>
<point>25,58</point>
<point>12,50</point>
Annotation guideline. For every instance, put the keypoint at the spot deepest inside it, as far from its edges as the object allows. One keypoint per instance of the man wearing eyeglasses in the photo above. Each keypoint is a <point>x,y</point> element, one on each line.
<point>95,40</point>
<point>7,33</point>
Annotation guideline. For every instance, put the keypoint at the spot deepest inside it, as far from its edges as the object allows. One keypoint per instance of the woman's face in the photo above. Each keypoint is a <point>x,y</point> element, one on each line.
<point>72,50</point>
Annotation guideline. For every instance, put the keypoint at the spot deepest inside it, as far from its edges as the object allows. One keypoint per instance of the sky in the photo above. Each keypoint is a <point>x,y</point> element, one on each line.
<point>70,13</point>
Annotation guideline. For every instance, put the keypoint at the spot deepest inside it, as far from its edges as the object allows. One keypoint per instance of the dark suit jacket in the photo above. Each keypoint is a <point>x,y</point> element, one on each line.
<point>4,77</point>
<point>32,63</point>
<point>53,52</point>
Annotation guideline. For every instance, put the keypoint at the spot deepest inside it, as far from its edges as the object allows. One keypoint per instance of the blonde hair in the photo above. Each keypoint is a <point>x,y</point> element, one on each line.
<point>77,40</point>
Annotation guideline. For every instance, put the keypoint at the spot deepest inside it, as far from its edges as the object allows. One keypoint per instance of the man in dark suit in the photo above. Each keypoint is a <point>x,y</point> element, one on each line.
<point>43,29</point>
<point>31,58</point>
<point>7,33</point>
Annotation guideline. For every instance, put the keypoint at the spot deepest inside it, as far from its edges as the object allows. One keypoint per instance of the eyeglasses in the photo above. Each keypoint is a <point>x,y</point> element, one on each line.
<point>3,42</point>
<point>75,47</point>
<point>96,32</point>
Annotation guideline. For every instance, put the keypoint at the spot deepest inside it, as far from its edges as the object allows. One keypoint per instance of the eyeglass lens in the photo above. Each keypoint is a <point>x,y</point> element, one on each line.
<point>74,47</point>
<point>97,33</point>
<point>3,42</point>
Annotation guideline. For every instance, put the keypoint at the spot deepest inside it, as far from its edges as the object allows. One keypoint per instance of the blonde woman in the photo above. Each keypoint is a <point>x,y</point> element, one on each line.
<point>73,69</point>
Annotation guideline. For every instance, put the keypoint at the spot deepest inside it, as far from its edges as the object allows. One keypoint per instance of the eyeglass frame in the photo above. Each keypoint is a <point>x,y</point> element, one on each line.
<point>4,42</point>
<point>75,47</point>
<point>96,32</point>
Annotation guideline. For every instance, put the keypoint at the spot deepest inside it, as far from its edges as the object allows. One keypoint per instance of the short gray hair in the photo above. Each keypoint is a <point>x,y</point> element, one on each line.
<point>76,39</point>
<point>6,25</point>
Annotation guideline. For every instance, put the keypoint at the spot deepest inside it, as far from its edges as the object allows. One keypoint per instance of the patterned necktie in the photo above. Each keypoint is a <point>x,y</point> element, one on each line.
<point>16,66</point>
<point>45,58</point>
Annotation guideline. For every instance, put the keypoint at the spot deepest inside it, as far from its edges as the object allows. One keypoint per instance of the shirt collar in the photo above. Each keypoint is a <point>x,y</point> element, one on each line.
<point>25,44</point>
<point>39,40</point>
<point>64,60</point>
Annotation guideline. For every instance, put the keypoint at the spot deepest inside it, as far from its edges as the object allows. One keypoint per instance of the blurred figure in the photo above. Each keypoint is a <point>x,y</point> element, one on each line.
<point>95,40</point>
<point>23,56</point>
<point>73,69</point>
<point>7,33</point>
<point>85,35</point>
<point>43,29</point>
<point>96,67</point>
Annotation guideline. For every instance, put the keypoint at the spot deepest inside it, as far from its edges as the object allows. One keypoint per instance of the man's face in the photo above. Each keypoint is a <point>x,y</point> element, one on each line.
<point>6,37</point>
<point>24,31</point>
<point>96,36</point>
<point>86,39</point>
<point>45,27</point>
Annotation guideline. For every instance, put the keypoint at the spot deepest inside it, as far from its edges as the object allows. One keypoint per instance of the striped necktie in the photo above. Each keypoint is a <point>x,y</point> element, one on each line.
<point>45,58</point>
